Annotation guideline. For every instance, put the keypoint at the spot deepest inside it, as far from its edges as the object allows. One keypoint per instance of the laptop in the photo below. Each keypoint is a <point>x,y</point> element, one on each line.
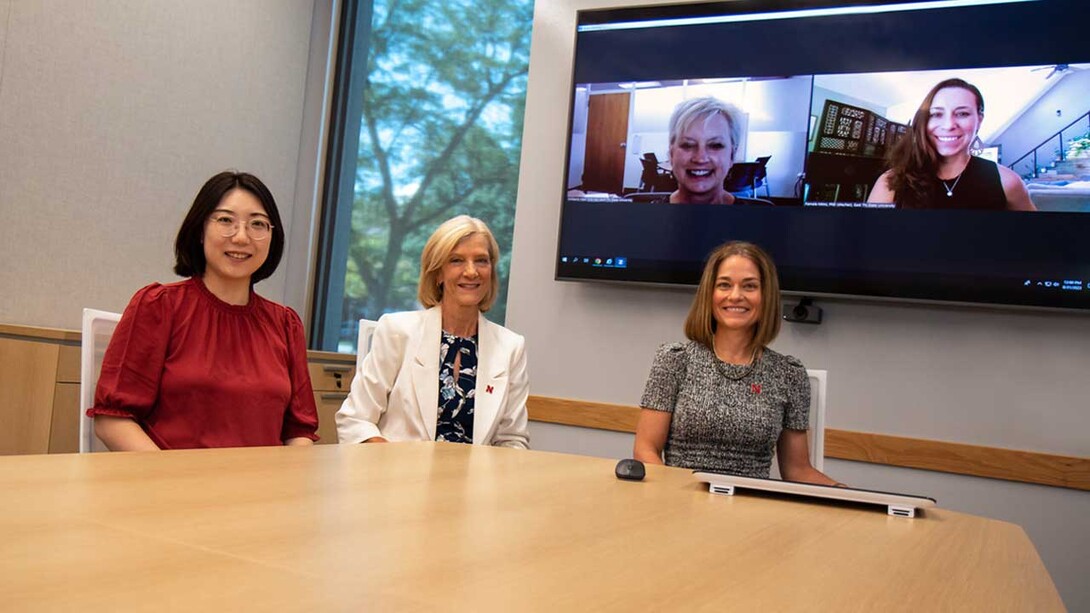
<point>898,505</point>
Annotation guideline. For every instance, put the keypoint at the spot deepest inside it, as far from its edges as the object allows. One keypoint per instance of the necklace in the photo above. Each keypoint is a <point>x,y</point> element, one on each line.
<point>950,188</point>
<point>742,372</point>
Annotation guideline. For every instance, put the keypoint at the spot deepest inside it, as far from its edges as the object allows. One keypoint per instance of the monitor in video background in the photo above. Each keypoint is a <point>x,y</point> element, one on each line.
<point>867,147</point>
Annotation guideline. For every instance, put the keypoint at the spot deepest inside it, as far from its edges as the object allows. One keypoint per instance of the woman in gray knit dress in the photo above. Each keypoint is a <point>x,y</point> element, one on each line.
<point>723,401</point>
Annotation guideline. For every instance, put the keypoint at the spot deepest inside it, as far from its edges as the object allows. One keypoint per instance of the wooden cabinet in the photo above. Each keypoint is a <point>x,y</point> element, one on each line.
<point>331,377</point>
<point>64,433</point>
<point>39,396</point>
<point>39,389</point>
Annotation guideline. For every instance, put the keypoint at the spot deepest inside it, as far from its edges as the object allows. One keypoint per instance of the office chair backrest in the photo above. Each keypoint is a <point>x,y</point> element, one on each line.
<point>815,435</point>
<point>649,177</point>
<point>742,175</point>
<point>363,343</point>
<point>746,177</point>
<point>762,170</point>
<point>98,327</point>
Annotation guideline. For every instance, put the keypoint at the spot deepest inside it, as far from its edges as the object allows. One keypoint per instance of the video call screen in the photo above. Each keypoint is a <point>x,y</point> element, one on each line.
<point>829,107</point>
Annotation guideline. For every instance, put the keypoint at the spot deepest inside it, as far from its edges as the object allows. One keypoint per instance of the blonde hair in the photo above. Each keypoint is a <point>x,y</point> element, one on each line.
<point>700,324</point>
<point>690,111</point>
<point>437,251</point>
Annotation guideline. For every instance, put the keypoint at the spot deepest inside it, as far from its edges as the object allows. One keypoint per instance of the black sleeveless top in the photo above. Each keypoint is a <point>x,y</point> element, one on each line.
<point>978,187</point>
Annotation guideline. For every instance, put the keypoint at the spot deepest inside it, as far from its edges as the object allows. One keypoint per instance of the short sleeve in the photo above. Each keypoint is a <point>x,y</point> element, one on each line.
<point>132,367</point>
<point>796,415</point>
<point>301,416</point>
<point>667,373</point>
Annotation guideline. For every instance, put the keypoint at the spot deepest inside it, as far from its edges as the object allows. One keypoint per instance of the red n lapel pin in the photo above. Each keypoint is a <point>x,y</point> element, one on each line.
<point>488,389</point>
<point>756,387</point>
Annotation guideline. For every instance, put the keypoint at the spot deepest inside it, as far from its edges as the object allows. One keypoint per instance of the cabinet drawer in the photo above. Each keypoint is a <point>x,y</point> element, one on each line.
<point>328,403</point>
<point>331,376</point>
<point>64,431</point>
<point>68,364</point>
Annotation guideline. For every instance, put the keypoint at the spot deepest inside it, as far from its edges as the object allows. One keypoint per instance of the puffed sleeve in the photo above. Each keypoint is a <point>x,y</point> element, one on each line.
<point>132,367</point>
<point>301,416</point>
<point>358,417</point>
<point>667,372</point>
<point>512,430</point>
<point>796,415</point>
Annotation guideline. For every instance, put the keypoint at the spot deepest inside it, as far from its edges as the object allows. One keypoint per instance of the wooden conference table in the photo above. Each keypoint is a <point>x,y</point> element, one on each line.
<point>426,526</point>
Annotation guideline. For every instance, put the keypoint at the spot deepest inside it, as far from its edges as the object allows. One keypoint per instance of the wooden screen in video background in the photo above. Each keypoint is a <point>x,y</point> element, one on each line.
<point>850,130</point>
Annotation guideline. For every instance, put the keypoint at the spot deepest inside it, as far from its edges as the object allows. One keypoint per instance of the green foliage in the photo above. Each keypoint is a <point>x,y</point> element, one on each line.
<point>440,136</point>
<point>1079,147</point>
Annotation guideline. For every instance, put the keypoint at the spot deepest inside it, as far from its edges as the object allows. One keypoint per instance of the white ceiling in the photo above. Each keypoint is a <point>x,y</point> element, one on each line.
<point>1007,91</point>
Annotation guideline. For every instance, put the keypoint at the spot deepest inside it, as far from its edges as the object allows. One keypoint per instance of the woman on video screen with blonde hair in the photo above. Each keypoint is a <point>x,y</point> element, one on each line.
<point>704,135</point>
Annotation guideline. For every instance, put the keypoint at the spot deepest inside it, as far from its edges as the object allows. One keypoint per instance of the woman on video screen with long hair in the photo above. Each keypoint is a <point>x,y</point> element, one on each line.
<point>932,166</point>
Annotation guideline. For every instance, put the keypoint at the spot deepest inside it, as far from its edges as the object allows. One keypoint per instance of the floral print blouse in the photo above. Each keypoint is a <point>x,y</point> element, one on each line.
<point>456,390</point>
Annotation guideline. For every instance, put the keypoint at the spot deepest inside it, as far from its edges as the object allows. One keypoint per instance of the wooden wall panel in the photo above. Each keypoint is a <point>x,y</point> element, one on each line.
<point>959,458</point>
<point>942,456</point>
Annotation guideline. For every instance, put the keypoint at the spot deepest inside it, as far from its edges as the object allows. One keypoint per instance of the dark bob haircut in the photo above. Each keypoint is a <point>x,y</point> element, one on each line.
<point>188,248</point>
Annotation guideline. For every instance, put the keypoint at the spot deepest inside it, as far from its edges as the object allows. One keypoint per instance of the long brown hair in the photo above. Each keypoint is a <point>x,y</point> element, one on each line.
<point>913,162</point>
<point>700,324</point>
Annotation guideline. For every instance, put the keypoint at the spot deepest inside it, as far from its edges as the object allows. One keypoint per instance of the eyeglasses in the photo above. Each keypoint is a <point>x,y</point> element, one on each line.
<point>228,225</point>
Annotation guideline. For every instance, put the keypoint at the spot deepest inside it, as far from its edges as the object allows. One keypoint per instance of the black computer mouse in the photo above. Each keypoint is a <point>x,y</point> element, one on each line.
<point>630,470</point>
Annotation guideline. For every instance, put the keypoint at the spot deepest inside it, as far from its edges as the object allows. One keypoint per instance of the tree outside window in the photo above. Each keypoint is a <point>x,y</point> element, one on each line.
<point>440,134</point>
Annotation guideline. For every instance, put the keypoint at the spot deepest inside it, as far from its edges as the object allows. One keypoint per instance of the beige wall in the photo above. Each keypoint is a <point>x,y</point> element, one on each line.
<point>1003,378</point>
<point>112,115</point>
<point>113,112</point>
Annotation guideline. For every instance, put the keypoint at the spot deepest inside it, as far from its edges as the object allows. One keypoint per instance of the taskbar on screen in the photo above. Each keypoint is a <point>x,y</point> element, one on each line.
<point>1040,290</point>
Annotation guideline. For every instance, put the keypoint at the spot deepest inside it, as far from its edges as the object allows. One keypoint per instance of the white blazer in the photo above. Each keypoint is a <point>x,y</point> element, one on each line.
<point>395,393</point>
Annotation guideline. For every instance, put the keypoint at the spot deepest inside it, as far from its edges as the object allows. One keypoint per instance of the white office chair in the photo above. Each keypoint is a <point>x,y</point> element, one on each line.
<point>98,327</point>
<point>815,435</point>
<point>363,344</point>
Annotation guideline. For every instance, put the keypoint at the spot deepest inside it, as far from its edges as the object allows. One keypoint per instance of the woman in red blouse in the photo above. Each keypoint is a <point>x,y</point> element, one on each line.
<point>206,362</point>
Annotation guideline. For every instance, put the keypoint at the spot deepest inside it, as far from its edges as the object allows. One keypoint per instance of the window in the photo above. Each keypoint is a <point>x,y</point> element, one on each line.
<point>427,125</point>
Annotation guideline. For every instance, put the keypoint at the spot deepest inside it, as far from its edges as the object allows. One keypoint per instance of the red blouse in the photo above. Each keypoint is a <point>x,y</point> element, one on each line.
<point>194,371</point>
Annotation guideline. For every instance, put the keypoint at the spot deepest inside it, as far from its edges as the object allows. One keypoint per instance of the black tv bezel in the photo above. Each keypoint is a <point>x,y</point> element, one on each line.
<point>857,287</point>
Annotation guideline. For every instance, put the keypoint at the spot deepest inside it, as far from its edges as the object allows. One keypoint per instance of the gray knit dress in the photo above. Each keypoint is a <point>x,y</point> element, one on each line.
<point>726,418</point>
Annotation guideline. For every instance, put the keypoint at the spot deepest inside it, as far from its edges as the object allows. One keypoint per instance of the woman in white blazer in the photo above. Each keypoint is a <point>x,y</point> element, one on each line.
<point>445,373</point>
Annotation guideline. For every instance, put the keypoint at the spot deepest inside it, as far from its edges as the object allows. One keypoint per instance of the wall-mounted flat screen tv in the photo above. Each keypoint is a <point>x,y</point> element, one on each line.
<point>932,150</point>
